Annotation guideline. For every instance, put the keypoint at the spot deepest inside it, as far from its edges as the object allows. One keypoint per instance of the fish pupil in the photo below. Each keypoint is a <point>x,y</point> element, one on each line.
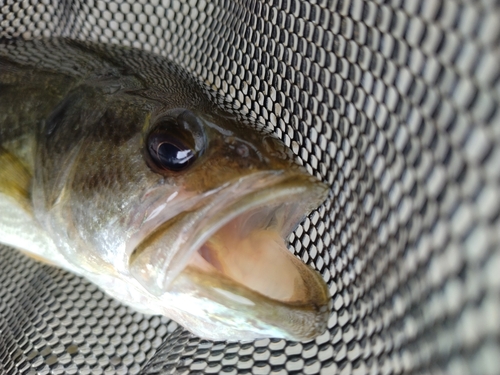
<point>173,157</point>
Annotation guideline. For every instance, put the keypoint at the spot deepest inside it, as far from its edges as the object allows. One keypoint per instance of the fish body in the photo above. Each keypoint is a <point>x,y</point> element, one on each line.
<point>115,164</point>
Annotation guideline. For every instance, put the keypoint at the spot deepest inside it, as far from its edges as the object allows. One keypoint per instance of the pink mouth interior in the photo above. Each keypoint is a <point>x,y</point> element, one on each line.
<point>251,251</point>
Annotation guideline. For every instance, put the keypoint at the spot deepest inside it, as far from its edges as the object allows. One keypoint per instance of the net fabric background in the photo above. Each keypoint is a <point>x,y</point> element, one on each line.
<point>393,103</point>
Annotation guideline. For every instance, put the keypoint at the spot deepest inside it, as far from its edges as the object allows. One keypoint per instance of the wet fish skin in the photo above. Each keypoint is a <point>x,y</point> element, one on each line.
<point>102,208</point>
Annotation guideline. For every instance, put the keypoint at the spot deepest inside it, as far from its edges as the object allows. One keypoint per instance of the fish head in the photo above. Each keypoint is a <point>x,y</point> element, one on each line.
<point>186,206</point>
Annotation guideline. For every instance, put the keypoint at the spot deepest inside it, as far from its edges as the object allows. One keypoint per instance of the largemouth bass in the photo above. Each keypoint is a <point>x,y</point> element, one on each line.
<point>115,164</point>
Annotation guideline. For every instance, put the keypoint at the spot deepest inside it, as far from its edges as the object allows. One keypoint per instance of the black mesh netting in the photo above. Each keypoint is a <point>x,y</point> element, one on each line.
<point>393,103</point>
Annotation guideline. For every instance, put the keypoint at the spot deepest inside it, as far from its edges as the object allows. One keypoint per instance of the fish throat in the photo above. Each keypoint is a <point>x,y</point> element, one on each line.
<point>251,251</point>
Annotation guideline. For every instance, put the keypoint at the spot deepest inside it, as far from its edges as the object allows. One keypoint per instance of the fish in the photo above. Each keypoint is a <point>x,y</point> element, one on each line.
<point>118,165</point>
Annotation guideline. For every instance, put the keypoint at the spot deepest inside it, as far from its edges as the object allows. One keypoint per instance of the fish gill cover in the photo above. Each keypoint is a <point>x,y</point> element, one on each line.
<point>393,105</point>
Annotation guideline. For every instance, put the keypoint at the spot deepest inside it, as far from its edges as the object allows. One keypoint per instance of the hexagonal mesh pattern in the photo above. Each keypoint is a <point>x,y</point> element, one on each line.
<point>53,322</point>
<point>393,103</point>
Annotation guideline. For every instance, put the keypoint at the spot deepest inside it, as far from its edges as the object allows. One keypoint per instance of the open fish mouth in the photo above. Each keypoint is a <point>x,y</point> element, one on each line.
<point>231,263</point>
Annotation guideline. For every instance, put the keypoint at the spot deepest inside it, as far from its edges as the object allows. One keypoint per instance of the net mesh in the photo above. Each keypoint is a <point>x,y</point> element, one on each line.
<point>392,103</point>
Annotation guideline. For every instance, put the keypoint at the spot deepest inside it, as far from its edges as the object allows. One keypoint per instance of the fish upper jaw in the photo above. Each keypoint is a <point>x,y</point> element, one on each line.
<point>227,255</point>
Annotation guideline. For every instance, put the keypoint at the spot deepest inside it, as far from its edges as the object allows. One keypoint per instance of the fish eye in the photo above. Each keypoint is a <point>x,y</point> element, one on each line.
<point>169,153</point>
<point>176,141</point>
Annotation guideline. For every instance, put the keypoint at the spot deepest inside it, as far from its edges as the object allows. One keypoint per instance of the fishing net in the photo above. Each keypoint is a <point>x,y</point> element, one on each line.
<point>392,103</point>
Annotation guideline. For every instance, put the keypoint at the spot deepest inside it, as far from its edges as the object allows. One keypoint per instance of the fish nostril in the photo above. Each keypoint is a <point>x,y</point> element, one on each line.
<point>242,150</point>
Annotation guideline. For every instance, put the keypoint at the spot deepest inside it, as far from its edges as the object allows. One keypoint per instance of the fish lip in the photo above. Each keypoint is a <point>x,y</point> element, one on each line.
<point>216,212</point>
<point>264,316</point>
